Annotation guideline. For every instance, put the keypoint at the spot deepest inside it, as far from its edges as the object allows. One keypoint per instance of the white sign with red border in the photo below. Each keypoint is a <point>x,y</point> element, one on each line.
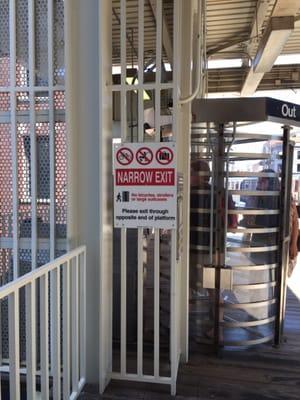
<point>145,185</point>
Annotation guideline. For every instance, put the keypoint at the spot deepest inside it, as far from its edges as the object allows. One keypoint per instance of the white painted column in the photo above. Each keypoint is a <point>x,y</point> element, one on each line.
<point>105,178</point>
<point>88,114</point>
<point>183,160</point>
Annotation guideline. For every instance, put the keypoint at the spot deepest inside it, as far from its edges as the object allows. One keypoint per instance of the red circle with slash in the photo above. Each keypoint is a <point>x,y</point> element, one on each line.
<point>124,156</point>
<point>144,156</point>
<point>164,155</point>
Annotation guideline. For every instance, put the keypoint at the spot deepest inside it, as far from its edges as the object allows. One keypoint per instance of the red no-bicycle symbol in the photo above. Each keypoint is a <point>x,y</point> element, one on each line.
<point>144,156</point>
<point>124,156</point>
<point>164,155</point>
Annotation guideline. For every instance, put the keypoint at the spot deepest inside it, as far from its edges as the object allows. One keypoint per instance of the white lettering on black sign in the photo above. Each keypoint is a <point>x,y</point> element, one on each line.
<point>288,112</point>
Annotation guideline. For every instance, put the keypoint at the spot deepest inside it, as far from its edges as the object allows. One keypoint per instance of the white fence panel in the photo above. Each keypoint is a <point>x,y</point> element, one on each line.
<point>44,359</point>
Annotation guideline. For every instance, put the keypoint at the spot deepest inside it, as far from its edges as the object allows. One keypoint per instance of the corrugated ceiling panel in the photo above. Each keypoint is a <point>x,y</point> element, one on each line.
<point>228,21</point>
<point>231,79</point>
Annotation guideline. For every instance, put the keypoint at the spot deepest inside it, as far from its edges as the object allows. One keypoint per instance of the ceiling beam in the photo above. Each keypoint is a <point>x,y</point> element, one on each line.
<point>257,24</point>
<point>285,8</point>
<point>238,39</point>
<point>272,43</point>
<point>251,82</point>
<point>166,38</point>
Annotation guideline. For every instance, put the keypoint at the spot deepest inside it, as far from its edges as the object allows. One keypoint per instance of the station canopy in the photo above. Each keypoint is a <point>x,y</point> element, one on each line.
<point>253,33</point>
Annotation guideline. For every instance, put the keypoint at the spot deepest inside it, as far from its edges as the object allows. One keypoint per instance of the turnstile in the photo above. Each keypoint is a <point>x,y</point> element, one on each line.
<point>239,227</point>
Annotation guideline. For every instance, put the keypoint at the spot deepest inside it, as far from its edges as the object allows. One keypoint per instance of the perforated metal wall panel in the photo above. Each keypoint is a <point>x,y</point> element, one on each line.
<point>58,43</point>
<point>4,43</point>
<point>41,42</point>
<point>33,209</point>
<point>22,47</point>
<point>33,165</point>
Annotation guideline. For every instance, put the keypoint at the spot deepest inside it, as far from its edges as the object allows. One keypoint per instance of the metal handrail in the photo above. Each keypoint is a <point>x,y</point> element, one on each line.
<point>24,280</point>
<point>61,296</point>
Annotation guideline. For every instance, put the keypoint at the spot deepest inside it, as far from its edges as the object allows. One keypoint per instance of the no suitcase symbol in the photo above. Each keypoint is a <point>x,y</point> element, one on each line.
<point>144,156</point>
<point>164,155</point>
<point>124,156</point>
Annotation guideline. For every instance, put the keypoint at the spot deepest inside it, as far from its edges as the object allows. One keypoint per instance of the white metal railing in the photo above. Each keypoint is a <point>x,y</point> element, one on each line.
<point>55,292</point>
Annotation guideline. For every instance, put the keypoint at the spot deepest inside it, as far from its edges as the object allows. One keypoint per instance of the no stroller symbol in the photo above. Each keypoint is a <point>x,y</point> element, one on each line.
<point>144,156</point>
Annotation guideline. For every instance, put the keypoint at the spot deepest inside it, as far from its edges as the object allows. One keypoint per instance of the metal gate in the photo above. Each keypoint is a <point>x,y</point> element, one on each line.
<point>240,202</point>
<point>147,268</point>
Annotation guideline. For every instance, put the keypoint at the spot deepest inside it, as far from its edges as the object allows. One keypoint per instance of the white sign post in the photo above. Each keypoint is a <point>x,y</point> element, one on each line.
<point>145,185</point>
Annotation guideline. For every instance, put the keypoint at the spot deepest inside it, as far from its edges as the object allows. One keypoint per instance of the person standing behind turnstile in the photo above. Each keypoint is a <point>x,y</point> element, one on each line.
<point>266,202</point>
<point>294,233</point>
<point>200,217</point>
<point>271,221</point>
<point>200,203</point>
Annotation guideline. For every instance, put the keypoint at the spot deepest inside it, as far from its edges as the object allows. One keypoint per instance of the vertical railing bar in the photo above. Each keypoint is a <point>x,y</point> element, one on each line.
<point>211,218</point>
<point>31,42</point>
<point>283,223</point>
<point>66,330</point>
<point>158,61</point>
<point>69,51</point>
<point>123,72</point>
<point>51,134</point>
<point>83,316</point>
<point>55,333</point>
<point>174,291</point>
<point>123,301</point>
<point>14,345</point>
<point>30,293</point>
<point>14,145</point>
<point>157,139</point>
<point>0,346</point>
<point>44,348</point>
<point>140,230</point>
<point>141,70</point>
<point>173,317</point>
<point>176,67</point>
<point>51,130</point>
<point>140,303</point>
<point>75,325</point>
<point>33,147</point>
<point>156,303</point>
<point>123,230</point>
<point>158,68</point>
